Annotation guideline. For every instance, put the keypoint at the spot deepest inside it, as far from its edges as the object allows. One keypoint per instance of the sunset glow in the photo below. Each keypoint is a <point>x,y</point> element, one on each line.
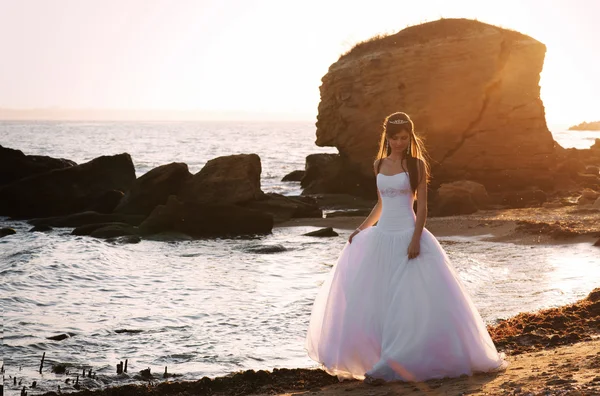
<point>264,57</point>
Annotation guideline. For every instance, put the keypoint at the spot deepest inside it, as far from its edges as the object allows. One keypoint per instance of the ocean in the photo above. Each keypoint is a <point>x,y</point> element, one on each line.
<point>210,307</point>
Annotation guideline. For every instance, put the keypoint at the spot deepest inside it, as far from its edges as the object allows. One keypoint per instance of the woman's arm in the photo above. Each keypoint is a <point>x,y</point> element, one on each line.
<point>373,217</point>
<point>414,247</point>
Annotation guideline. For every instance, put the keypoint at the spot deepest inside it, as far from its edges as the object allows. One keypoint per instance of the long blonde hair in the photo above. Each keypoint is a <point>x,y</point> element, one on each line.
<point>393,124</point>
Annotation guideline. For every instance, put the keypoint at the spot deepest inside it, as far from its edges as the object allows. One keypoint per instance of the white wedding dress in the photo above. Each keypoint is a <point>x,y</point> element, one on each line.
<point>381,314</point>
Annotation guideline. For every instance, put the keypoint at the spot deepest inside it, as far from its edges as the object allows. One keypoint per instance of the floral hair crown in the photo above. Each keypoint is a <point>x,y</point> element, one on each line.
<point>399,122</point>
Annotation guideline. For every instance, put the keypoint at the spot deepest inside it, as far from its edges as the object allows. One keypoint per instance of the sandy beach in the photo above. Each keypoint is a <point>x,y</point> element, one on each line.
<point>527,226</point>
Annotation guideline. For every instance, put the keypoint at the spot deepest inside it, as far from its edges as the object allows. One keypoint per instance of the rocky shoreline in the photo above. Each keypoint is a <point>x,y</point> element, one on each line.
<point>554,351</point>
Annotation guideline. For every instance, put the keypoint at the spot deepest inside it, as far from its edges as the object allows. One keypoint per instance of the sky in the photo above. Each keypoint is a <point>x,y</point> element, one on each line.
<point>255,56</point>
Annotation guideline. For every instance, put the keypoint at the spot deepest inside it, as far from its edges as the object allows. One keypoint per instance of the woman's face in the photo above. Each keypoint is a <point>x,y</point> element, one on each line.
<point>399,141</point>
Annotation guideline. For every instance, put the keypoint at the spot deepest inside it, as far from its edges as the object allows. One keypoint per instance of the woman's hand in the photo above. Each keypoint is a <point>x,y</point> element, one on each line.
<point>352,235</point>
<point>414,249</point>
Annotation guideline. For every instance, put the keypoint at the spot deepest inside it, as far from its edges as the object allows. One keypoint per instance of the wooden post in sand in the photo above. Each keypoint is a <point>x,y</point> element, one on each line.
<point>42,363</point>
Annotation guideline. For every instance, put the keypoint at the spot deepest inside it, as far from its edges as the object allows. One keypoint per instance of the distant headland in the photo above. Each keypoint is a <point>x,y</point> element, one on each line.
<point>586,126</point>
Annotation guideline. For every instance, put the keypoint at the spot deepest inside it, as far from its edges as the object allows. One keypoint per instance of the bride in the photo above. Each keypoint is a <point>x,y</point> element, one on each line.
<point>393,307</point>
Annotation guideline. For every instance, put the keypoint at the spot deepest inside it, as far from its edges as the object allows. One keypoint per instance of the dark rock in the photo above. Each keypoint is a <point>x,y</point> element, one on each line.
<point>104,202</point>
<point>87,229</point>
<point>84,218</point>
<point>68,190</point>
<point>14,165</point>
<point>59,368</point>
<point>125,239</point>
<point>323,232</point>
<point>523,199</point>
<point>296,176</point>
<point>597,243</point>
<point>231,179</point>
<point>6,231</point>
<point>206,220</point>
<point>154,188</point>
<point>342,201</point>
<point>265,249</point>
<point>111,231</point>
<point>453,201</point>
<point>283,208</point>
<point>333,174</point>
<point>41,228</point>
<point>59,337</point>
<point>130,331</point>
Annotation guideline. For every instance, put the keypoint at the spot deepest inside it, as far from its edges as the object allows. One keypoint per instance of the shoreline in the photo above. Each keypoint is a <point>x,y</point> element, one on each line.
<point>527,226</point>
<point>551,351</point>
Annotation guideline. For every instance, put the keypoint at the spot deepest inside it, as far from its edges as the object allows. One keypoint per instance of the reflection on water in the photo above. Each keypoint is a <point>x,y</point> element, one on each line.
<point>209,307</point>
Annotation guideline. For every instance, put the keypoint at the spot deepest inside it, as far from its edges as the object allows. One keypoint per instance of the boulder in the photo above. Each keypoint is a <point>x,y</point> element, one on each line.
<point>453,200</point>
<point>523,199</point>
<point>15,165</point>
<point>592,170</point>
<point>283,208</point>
<point>323,232</point>
<point>41,228</point>
<point>88,229</point>
<point>265,249</point>
<point>83,218</point>
<point>334,174</point>
<point>112,231</point>
<point>472,90</point>
<point>6,231</point>
<point>154,188</point>
<point>129,239</point>
<point>296,176</point>
<point>205,220</point>
<point>477,191</point>
<point>68,190</point>
<point>225,180</point>
<point>103,202</point>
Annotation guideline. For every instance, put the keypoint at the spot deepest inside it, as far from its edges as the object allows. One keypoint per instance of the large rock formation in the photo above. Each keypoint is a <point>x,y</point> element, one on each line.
<point>471,88</point>
<point>15,165</point>
<point>69,190</point>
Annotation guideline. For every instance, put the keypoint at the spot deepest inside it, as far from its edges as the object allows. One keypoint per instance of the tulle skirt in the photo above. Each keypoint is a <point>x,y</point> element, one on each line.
<point>381,314</point>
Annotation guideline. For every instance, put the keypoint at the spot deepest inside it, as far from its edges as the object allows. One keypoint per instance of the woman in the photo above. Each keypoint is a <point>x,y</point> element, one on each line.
<point>393,307</point>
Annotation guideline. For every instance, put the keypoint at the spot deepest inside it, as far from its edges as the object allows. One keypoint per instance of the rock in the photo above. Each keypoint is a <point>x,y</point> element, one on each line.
<point>472,90</point>
<point>88,229</point>
<point>592,170</point>
<point>266,249</point>
<point>14,165</point>
<point>58,337</point>
<point>590,195</point>
<point>206,220</point>
<point>296,176</point>
<point>523,199</point>
<point>283,208</point>
<point>597,243</point>
<point>596,145</point>
<point>6,231</point>
<point>333,174</point>
<point>453,200</point>
<point>586,126</point>
<point>323,232</point>
<point>112,231</point>
<point>477,191</point>
<point>231,179</point>
<point>596,203</point>
<point>68,190</point>
<point>130,239</point>
<point>103,202</point>
<point>41,228</point>
<point>154,188</point>
<point>343,201</point>
<point>83,218</point>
